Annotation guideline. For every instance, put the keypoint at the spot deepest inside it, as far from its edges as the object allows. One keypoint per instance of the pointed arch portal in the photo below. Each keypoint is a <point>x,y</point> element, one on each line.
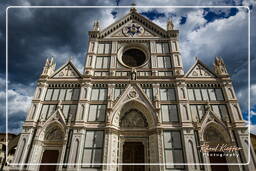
<point>214,135</point>
<point>135,122</point>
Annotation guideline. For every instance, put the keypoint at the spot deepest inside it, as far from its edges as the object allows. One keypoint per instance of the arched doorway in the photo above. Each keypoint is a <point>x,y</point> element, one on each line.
<point>133,123</point>
<point>53,142</point>
<point>215,137</point>
<point>49,156</point>
<point>133,152</point>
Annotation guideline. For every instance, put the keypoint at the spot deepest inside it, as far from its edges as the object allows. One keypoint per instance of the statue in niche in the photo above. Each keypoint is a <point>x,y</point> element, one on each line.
<point>133,119</point>
<point>133,75</point>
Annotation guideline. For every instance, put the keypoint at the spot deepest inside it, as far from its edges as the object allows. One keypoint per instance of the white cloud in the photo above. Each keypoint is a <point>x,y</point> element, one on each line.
<point>63,54</point>
<point>17,102</point>
<point>2,82</point>
<point>242,96</point>
<point>253,113</point>
<point>209,40</point>
<point>252,127</point>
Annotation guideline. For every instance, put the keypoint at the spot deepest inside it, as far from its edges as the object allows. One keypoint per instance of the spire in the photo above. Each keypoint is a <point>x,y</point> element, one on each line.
<point>49,67</point>
<point>133,9</point>
<point>170,25</point>
<point>96,26</point>
<point>219,67</point>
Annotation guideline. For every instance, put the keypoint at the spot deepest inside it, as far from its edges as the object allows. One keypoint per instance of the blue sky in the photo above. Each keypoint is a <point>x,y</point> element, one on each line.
<point>35,34</point>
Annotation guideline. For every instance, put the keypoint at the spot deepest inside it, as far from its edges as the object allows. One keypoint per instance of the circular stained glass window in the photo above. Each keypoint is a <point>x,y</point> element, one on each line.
<point>133,57</point>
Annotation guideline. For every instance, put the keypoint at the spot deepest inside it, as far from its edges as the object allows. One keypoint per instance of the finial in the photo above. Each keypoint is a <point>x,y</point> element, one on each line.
<point>51,61</point>
<point>208,106</point>
<point>96,26</point>
<point>219,66</point>
<point>59,106</point>
<point>170,25</point>
<point>196,58</point>
<point>133,9</point>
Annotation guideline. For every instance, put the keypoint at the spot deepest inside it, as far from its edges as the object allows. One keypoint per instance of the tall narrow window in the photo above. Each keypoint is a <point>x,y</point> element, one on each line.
<point>198,94</point>
<point>173,149</point>
<point>169,113</point>
<point>65,110</point>
<point>55,94</point>
<point>48,95</point>
<point>76,150</point>
<point>205,94</point>
<point>191,94</point>
<point>69,94</point>
<point>164,62</point>
<point>62,94</point>
<point>149,92</point>
<point>162,47</point>
<point>22,147</point>
<point>192,152</point>
<point>75,95</point>
<point>102,62</point>
<point>39,93</point>
<point>93,148</point>
<point>167,94</point>
<point>33,111</point>
<point>219,94</point>
<point>212,94</point>
<point>197,110</point>
<point>118,92</point>
<point>104,48</point>
<point>99,94</point>
<point>97,113</point>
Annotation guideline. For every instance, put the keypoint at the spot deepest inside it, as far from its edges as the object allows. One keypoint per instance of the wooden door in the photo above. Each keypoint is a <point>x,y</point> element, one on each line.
<point>218,159</point>
<point>133,152</point>
<point>49,156</point>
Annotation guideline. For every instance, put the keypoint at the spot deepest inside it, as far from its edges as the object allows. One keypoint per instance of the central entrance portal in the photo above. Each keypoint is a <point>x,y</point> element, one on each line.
<point>49,156</point>
<point>218,158</point>
<point>133,152</point>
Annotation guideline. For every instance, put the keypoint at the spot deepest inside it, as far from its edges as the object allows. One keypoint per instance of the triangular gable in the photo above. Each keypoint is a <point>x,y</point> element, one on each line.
<point>209,117</point>
<point>148,25</point>
<point>134,91</point>
<point>68,70</point>
<point>144,32</point>
<point>199,70</point>
<point>56,117</point>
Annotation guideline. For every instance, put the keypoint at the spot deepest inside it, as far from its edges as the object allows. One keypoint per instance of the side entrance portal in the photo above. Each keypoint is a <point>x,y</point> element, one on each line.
<point>49,156</point>
<point>133,152</point>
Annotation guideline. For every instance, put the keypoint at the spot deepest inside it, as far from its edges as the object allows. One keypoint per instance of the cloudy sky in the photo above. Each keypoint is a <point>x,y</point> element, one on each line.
<point>37,33</point>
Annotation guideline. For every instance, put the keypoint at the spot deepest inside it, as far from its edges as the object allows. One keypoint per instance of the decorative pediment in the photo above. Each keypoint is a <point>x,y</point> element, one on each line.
<point>133,24</point>
<point>134,92</point>
<point>199,70</point>
<point>57,116</point>
<point>68,70</point>
<point>210,116</point>
<point>133,29</point>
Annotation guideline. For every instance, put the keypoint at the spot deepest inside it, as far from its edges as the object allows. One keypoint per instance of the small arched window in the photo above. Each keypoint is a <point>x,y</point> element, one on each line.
<point>76,150</point>
<point>193,152</point>
<point>22,147</point>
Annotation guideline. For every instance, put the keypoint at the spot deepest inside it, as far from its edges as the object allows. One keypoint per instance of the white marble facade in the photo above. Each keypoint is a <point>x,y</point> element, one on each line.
<point>133,93</point>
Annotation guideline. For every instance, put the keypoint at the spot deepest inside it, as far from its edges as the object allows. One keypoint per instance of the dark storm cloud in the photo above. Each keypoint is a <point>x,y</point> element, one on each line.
<point>44,30</point>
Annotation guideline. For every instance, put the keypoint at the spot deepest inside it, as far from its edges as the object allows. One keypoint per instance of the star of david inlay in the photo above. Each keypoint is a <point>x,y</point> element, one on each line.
<point>133,30</point>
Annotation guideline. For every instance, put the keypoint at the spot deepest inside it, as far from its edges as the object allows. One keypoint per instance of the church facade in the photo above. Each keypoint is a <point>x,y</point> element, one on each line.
<point>134,104</point>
